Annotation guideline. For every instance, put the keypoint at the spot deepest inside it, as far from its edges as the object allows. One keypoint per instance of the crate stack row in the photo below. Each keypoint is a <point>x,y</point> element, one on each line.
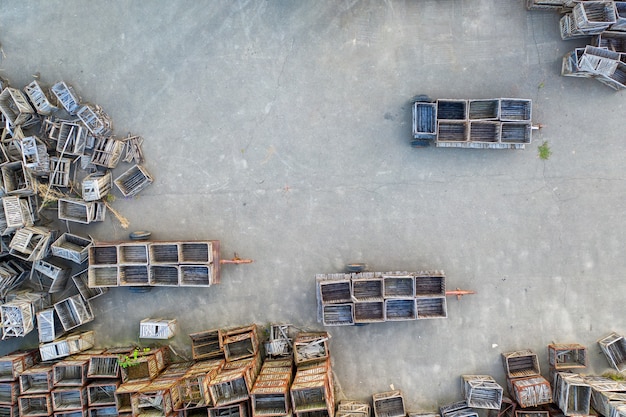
<point>604,22</point>
<point>165,264</point>
<point>369,297</point>
<point>524,381</point>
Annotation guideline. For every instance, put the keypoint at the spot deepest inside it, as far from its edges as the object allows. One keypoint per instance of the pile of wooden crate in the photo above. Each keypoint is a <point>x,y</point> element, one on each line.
<point>604,22</point>
<point>369,297</point>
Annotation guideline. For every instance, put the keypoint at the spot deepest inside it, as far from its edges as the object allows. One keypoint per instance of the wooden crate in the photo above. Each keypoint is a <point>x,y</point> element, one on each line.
<point>200,252</point>
<point>110,411</point>
<point>147,367</point>
<point>431,307</point>
<point>366,288</point>
<point>132,254</point>
<point>134,180</point>
<point>36,380</point>
<point>68,345</point>
<point>96,186</point>
<point>15,107</point>
<point>102,276</point>
<point>106,365</point>
<point>95,119</point>
<point>157,328</point>
<point>521,363</point>
<point>398,286</point>
<point>17,319</point>
<point>193,412</point>
<point>240,409</point>
<point>196,275</point>
<point>9,391</point>
<point>532,413</point>
<point>107,152</point>
<point>388,404</point>
<point>457,409</point>
<point>9,411</point>
<point>430,284</point>
<point>72,139</point>
<point>206,345</point>
<point>13,364</point>
<point>481,391</point>
<point>164,275</point>
<point>57,270</point>
<point>312,391</point>
<point>572,394</point>
<point>567,356</point>
<point>400,309</point>
<point>81,281</point>
<point>603,401</point>
<point>338,314</point>
<point>164,253</point>
<point>60,172</point>
<point>334,290</point>
<point>64,399</point>
<point>72,247</point>
<point>73,311</point>
<point>310,347</point>
<point>155,399</point>
<point>233,382</point>
<point>70,373</point>
<point>102,254</point>
<point>75,210</point>
<point>101,393</point>
<point>35,405</point>
<point>66,96</point>
<point>133,275</point>
<point>38,98</point>
<point>507,408</point>
<point>270,393</point>
<point>240,342</point>
<point>193,391</point>
<point>123,395</point>
<point>614,348</point>
<point>280,341</point>
<point>530,391</point>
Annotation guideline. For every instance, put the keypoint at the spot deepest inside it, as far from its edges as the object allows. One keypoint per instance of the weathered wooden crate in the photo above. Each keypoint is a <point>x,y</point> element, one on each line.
<point>49,326</point>
<point>369,312</point>
<point>30,153</point>
<point>101,393</point>
<point>70,373</point>
<point>133,180</point>
<point>164,253</point>
<point>133,275</point>
<point>124,392</point>
<point>17,319</point>
<point>196,275</point>
<point>164,275</point>
<point>572,394</point>
<point>195,252</point>
<point>147,367</point>
<point>521,363</point>
<point>398,286</point>
<point>451,109</point>
<point>68,345</point>
<point>157,328</point>
<point>430,284</point>
<point>530,391</point>
<point>95,119</point>
<point>72,139</point>
<point>452,131</point>
<point>102,276</point>
<point>35,405</point>
<point>65,399</point>
<point>107,152</point>
<point>15,107</point>
<point>12,365</point>
<point>388,404</point>
<point>106,364</point>
<point>155,399</point>
<point>338,314</point>
<point>367,288</point>
<point>103,254</point>
<point>193,388</point>
<point>360,409</point>
<point>234,381</point>
<point>60,172</point>
<point>310,393</point>
<point>310,347</point>
<point>532,413</point>
<point>66,96</point>
<point>484,131</point>
<point>31,243</point>
<point>73,311</point>
<point>110,411</point>
<point>240,409</point>
<point>567,356</point>
<point>488,109</point>
<point>270,393</point>
<point>206,345</point>
<point>81,281</point>
<point>614,348</point>
<point>280,341</point>
<point>481,391</point>
<point>334,290</point>
<point>36,380</point>
<point>56,270</point>
<point>400,309</point>
<point>240,342</point>
<point>9,391</point>
<point>80,211</point>
<point>515,110</point>
<point>16,180</point>
<point>95,186</point>
<point>603,401</point>
<point>38,98</point>
<point>457,409</point>
<point>132,254</point>
<point>431,307</point>
<point>9,410</point>
<point>72,247</point>
<point>516,132</point>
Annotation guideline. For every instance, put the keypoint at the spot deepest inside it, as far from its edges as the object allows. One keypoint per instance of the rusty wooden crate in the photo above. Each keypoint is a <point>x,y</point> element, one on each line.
<point>124,392</point>
<point>352,408</point>
<point>206,345</point>
<point>311,347</point>
<point>145,368</point>
<point>457,409</point>
<point>481,391</point>
<point>101,393</point>
<point>614,348</point>
<point>133,181</point>
<point>9,411</point>
<point>36,380</point>
<point>240,342</point>
<point>572,394</point>
<point>388,404</point>
<point>70,373</point>
<point>9,391</point>
<point>240,409</point>
<point>280,341</point>
<point>155,399</point>
<point>71,413</point>
<point>521,363</point>
<point>13,364</point>
<point>270,393</point>
<point>311,393</point>
<point>567,356</point>
<point>35,405</point>
<point>193,387</point>
<point>530,391</point>
<point>64,399</point>
<point>234,381</point>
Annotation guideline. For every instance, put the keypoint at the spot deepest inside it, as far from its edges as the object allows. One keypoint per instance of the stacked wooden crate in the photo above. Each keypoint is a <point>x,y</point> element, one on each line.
<point>270,393</point>
<point>352,408</point>
<point>481,391</point>
<point>389,404</point>
<point>11,367</point>
<point>524,380</point>
<point>369,297</point>
<point>312,392</point>
<point>570,392</point>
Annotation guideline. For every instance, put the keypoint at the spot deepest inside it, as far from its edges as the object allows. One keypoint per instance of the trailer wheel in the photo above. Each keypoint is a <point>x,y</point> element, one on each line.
<point>356,267</point>
<point>139,290</point>
<point>422,98</point>
<point>420,143</point>
<point>140,235</point>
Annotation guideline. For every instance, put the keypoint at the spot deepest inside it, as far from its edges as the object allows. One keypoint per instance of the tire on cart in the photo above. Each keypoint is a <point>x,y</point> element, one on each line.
<point>422,98</point>
<point>140,235</point>
<point>420,143</point>
<point>139,290</point>
<point>356,267</point>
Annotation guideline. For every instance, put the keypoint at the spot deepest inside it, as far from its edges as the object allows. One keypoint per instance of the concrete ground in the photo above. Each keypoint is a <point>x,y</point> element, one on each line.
<point>282,129</point>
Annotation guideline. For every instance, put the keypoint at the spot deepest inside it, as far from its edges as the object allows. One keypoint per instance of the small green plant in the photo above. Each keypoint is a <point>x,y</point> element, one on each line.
<point>126,361</point>
<point>544,151</point>
<point>614,375</point>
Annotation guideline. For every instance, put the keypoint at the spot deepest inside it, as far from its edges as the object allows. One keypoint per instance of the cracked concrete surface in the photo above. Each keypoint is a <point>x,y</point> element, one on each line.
<point>282,129</point>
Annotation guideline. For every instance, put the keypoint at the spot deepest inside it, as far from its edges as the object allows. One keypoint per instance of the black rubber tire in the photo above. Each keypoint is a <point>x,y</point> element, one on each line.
<point>422,98</point>
<point>356,267</point>
<point>361,324</point>
<point>420,143</point>
<point>140,235</point>
<point>139,290</point>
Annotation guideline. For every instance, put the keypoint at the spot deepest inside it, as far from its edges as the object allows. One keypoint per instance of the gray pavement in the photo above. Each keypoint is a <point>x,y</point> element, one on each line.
<point>282,129</point>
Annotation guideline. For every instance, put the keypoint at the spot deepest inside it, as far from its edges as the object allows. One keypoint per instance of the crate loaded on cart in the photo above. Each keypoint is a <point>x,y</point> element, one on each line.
<point>499,123</point>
